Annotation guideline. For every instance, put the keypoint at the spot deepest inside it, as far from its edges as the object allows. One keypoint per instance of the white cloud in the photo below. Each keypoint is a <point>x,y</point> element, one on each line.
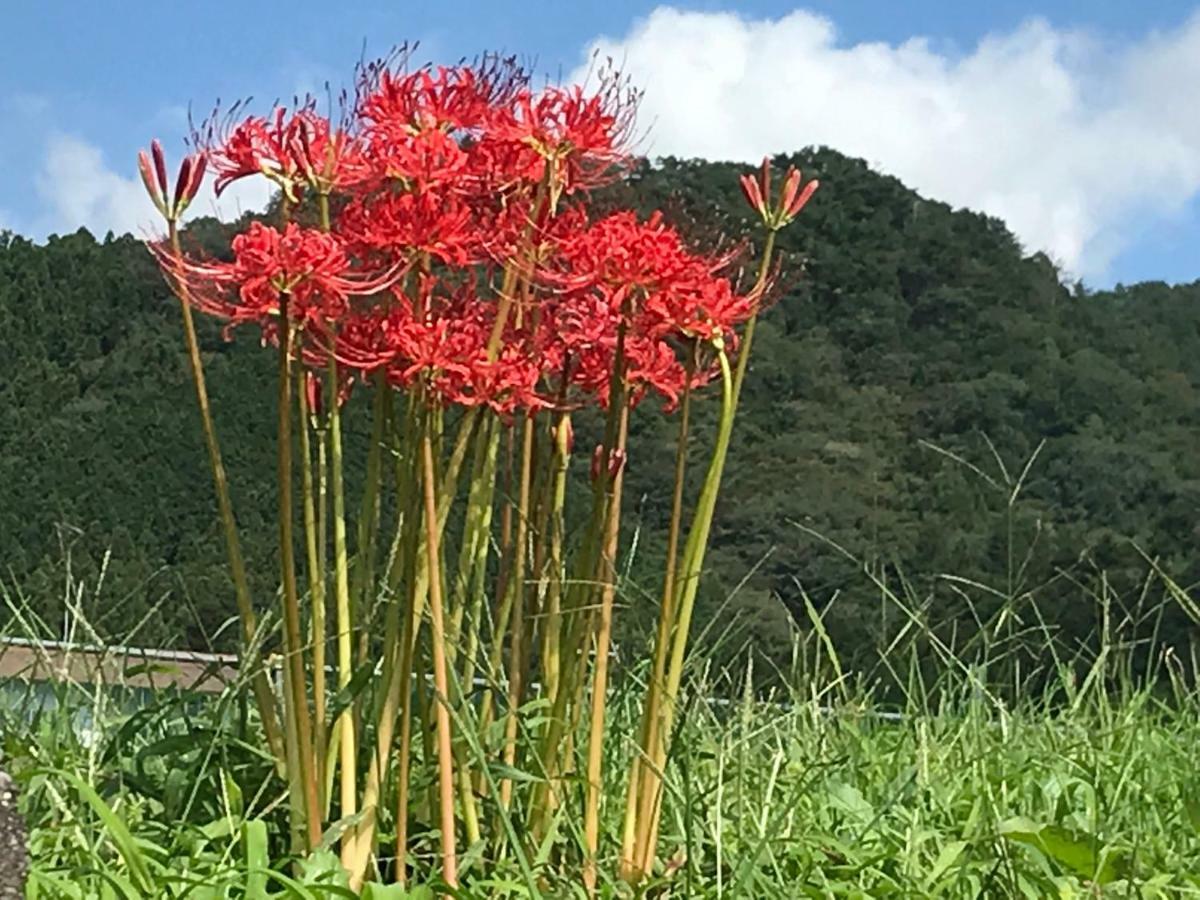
<point>78,188</point>
<point>1065,137</point>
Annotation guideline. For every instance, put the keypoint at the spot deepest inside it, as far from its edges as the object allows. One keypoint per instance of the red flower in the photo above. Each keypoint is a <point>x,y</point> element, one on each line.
<point>407,227</point>
<point>292,148</point>
<point>455,178</point>
<point>441,342</point>
<point>576,140</point>
<point>307,267</point>
<point>453,99</point>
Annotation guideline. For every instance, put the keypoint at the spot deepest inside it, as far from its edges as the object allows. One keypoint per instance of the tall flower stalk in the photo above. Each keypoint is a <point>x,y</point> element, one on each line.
<point>171,205</point>
<point>459,273</point>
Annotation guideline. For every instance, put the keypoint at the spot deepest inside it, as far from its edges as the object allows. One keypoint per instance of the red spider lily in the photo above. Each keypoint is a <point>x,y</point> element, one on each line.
<point>453,99</point>
<point>442,344</point>
<point>308,267</point>
<point>418,161</point>
<point>625,255</point>
<point>575,141</point>
<point>292,148</point>
<point>667,288</point>
<point>449,177</point>
<point>407,227</point>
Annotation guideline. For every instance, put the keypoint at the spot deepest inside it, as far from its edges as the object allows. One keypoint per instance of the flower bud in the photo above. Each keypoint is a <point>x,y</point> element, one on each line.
<point>181,183</point>
<point>147,173</point>
<point>160,165</point>
<point>200,162</point>
<point>752,194</point>
<point>616,462</point>
<point>790,185</point>
<point>313,395</point>
<point>805,195</point>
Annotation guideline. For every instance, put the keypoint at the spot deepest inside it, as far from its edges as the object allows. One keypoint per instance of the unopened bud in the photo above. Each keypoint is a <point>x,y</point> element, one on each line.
<point>616,462</point>
<point>752,193</point>
<point>160,165</point>
<point>193,188</point>
<point>313,394</point>
<point>299,149</point>
<point>181,183</point>
<point>765,182</point>
<point>147,173</point>
<point>791,184</point>
<point>805,195</point>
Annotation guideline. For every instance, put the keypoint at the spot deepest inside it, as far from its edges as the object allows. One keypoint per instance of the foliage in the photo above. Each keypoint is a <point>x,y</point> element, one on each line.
<point>1080,789</point>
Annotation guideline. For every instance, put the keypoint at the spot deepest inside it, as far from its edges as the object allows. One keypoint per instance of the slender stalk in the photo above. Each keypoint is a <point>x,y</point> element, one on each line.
<point>446,490</point>
<point>296,814</point>
<point>636,803</point>
<point>475,532</point>
<point>591,816</point>
<point>691,567</point>
<point>693,560</point>
<point>478,586</point>
<point>470,589</point>
<point>263,695</point>
<point>347,756</point>
<point>293,642</point>
<point>316,592</point>
<point>445,750</point>
<point>509,550</point>
<point>552,628</point>
<point>578,615</point>
<point>394,680</point>
<point>408,643</point>
<point>516,588</point>
<point>368,522</point>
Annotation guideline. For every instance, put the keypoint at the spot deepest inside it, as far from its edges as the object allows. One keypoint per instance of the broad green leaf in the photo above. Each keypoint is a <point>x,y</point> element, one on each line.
<point>1080,854</point>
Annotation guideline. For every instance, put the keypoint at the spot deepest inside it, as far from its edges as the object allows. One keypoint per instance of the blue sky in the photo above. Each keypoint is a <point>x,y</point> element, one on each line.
<point>83,85</point>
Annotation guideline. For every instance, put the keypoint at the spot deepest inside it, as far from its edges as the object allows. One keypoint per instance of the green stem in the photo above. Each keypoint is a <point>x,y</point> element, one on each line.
<point>636,802</point>
<point>263,695</point>
<point>293,642</point>
<point>368,523</point>
<point>516,601</point>
<point>591,818</point>
<point>316,593</point>
<point>693,558</point>
<point>445,752</point>
<point>348,781</point>
<point>395,676</point>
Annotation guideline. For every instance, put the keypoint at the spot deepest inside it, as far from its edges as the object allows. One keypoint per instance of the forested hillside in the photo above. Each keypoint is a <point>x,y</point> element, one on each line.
<point>914,364</point>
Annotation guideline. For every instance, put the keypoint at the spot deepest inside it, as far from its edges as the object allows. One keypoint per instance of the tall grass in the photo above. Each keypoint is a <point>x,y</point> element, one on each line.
<point>1076,781</point>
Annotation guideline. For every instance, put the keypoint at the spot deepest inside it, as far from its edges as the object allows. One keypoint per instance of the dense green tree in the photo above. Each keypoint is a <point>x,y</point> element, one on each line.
<point>914,363</point>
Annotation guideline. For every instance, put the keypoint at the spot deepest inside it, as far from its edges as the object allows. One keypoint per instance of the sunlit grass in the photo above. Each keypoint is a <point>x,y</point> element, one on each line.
<point>1081,785</point>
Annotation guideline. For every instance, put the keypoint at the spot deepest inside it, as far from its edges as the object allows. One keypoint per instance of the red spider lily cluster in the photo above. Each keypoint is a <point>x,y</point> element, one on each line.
<point>457,257</point>
<point>458,253</point>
